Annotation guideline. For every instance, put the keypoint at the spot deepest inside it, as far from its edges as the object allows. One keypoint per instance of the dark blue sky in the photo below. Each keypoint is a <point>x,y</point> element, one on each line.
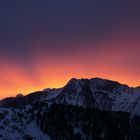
<point>53,21</point>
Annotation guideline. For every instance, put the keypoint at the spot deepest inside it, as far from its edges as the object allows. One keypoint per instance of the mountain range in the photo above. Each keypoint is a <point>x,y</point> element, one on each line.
<point>22,117</point>
<point>98,93</point>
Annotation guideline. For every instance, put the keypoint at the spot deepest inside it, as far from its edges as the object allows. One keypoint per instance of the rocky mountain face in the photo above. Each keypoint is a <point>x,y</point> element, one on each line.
<point>83,109</point>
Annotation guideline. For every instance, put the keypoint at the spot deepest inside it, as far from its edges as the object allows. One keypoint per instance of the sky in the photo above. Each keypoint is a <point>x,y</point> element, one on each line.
<point>45,43</point>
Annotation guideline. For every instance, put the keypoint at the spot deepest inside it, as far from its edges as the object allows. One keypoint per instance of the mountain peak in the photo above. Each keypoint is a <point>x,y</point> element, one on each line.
<point>19,95</point>
<point>73,80</point>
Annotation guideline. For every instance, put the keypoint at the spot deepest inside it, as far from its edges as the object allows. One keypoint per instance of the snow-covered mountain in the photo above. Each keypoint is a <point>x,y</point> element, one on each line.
<point>83,109</point>
<point>98,93</point>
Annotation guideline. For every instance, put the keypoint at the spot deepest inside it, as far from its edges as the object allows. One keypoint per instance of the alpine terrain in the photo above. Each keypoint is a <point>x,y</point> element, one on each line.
<point>84,109</point>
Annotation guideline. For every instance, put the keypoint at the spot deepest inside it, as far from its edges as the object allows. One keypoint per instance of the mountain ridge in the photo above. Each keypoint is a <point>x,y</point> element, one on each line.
<point>102,94</point>
<point>83,109</point>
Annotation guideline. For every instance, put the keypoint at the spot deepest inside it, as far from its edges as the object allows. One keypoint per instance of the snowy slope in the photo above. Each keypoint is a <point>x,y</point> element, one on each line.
<point>17,124</point>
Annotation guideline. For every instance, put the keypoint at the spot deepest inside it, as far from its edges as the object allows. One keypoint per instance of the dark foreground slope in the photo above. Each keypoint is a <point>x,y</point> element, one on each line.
<point>67,122</point>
